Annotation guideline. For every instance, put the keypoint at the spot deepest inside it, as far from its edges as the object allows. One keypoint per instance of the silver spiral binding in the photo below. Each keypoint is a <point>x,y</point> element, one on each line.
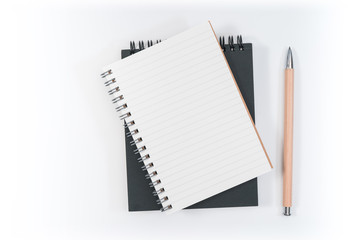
<point>168,207</point>
<point>122,107</point>
<point>132,133</point>
<point>114,90</point>
<point>117,99</point>
<point>136,141</point>
<point>158,192</point>
<point>129,124</point>
<point>148,166</point>
<point>143,158</point>
<point>126,115</point>
<point>231,45</point>
<point>104,74</point>
<point>155,183</point>
<point>111,81</point>
<point>162,200</point>
<point>150,175</point>
<point>140,149</point>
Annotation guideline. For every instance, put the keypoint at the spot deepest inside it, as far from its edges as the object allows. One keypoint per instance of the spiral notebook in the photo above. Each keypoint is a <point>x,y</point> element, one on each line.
<point>140,197</point>
<point>188,118</point>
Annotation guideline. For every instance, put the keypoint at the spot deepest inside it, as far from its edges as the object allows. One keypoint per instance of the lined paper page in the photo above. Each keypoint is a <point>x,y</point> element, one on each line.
<point>191,117</point>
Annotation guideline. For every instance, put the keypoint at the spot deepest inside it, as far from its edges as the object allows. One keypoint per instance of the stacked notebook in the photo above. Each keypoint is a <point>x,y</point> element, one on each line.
<point>187,123</point>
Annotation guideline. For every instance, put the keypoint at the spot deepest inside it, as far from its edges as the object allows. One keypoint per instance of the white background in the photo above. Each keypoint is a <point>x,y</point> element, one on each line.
<point>62,172</point>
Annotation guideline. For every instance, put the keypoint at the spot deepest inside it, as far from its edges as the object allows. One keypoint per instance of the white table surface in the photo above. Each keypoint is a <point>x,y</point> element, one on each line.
<point>63,156</point>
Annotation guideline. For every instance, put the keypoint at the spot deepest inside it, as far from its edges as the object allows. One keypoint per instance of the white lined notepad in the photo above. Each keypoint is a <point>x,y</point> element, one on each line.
<point>181,102</point>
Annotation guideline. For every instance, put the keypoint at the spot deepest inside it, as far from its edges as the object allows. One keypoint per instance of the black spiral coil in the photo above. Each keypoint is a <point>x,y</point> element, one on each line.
<point>141,45</point>
<point>238,46</point>
<point>232,46</point>
<point>149,167</point>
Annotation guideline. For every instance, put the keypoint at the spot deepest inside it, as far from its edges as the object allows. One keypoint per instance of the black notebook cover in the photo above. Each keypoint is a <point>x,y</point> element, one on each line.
<point>140,194</point>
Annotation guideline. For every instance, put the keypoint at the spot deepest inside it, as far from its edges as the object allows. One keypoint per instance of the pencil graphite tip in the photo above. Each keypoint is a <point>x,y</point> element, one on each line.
<point>289,59</point>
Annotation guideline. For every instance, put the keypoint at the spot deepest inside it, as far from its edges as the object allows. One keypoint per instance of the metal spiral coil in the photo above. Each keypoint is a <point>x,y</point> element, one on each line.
<point>240,43</point>
<point>132,47</point>
<point>222,42</point>
<point>162,200</point>
<point>104,74</point>
<point>136,141</point>
<point>155,183</point>
<point>132,133</point>
<point>129,124</point>
<point>232,46</point>
<point>158,192</point>
<point>231,43</point>
<point>168,207</point>
<point>117,99</point>
<point>111,81</point>
<point>141,45</point>
<point>148,166</point>
<point>143,158</point>
<point>114,90</point>
<point>149,43</point>
<point>150,175</point>
<point>140,149</point>
<point>122,107</point>
<point>126,115</point>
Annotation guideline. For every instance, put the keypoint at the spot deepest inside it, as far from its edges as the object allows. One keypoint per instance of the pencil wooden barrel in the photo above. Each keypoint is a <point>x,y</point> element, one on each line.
<point>288,136</point>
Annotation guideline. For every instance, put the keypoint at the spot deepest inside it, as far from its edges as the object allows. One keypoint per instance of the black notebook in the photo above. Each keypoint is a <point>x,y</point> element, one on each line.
<point>140,194</point>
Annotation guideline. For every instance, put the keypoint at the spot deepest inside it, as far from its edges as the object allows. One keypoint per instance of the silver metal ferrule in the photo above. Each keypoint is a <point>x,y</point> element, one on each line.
<point>289,59</point>
<point>287,211</point>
